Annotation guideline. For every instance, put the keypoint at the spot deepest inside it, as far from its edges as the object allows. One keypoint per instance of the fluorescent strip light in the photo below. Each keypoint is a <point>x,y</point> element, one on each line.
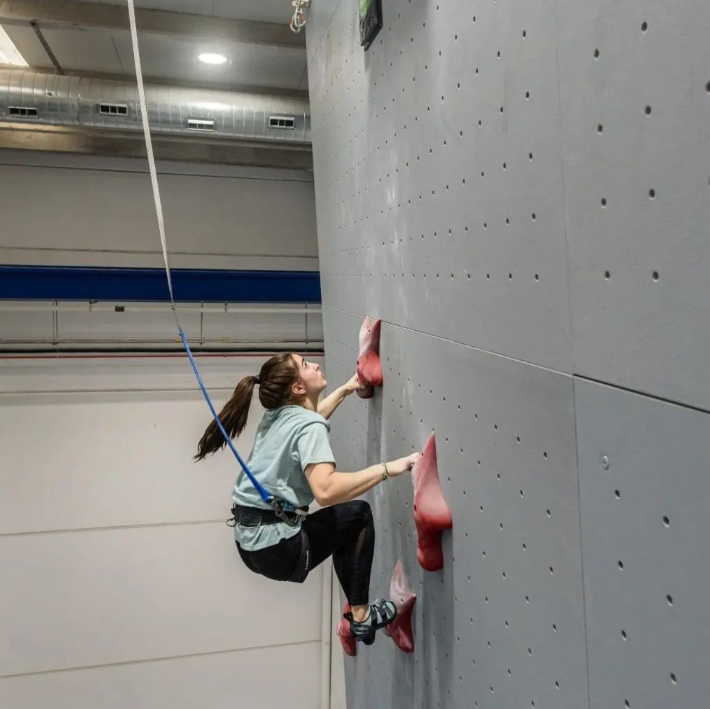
<point>212,58</point>
<point>8,51</point>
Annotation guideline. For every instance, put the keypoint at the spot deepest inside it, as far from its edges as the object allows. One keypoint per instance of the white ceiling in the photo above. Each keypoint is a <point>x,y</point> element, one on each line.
<point>261,10</point>
<point>171,58</point>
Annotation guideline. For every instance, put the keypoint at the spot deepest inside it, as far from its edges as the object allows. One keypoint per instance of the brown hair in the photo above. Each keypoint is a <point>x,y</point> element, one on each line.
<point>275,380</point>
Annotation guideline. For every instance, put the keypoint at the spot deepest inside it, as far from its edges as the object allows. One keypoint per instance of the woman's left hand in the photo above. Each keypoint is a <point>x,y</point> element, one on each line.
<point>353,385</point>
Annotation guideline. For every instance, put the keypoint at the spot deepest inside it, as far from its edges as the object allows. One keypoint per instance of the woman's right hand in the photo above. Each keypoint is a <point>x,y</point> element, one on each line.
<point>402,465</point>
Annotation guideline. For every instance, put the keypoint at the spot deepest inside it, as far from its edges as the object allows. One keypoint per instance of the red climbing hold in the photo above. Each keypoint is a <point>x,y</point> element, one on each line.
<point>431,513</point>
<point>343,630</point>
<point>400,629</point>
<point>369,368</point>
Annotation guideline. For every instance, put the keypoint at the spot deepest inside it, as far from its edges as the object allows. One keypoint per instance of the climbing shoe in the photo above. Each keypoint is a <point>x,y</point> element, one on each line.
<point>382,613</point>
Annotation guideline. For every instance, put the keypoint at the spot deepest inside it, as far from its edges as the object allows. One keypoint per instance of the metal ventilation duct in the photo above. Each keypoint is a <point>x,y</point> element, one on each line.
<point>34,98</point>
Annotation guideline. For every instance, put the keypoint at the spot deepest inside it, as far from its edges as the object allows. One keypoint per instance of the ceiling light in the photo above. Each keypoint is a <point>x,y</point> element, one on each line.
<point>8,51</point>
<point>213,58</point>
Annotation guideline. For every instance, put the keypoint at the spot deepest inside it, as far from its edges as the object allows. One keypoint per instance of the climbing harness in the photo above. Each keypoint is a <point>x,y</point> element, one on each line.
<point>282,509</point>
<point>253,517</point>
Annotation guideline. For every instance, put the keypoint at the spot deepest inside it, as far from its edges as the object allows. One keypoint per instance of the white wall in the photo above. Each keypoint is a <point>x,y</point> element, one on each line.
<point>121,583</point>
<point>65,210</point>
<point>89,211</point>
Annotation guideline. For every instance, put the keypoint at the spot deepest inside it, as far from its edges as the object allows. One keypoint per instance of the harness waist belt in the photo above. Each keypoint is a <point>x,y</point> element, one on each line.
<point>254,516</point>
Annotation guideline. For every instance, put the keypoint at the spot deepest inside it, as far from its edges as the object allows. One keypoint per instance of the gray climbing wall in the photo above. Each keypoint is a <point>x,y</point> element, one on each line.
<point>521,191</point>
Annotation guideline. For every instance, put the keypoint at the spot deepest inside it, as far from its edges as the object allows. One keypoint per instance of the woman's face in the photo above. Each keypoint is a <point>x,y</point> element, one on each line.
<point>312,379</point>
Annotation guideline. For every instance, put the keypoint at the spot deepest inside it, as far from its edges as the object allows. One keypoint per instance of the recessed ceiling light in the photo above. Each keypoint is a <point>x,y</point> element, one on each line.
<point>8,51</point>
<point>213,58</point>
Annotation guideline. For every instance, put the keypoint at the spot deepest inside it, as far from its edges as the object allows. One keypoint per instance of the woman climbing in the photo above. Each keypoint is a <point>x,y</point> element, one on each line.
<point>293,460</point>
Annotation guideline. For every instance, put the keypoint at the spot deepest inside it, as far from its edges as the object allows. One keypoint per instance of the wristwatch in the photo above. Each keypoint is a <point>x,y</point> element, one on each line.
<point>386,474</point>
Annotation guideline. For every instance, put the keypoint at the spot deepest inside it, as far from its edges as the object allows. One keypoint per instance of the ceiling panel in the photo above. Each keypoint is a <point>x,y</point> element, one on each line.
<point>260,10</point>
<point>164,57</point>
<point>170,58</point>
<point>197,7</point>
<point>25,39</point>
<point>77,49</point>
<point>175,59</point>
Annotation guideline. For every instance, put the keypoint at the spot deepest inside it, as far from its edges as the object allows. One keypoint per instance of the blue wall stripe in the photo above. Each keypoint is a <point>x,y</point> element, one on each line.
<point>150,284</point>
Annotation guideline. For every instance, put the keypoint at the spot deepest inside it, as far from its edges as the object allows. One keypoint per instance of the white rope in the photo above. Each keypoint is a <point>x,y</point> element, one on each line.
<point>149,145</point>
<point>277,504</point>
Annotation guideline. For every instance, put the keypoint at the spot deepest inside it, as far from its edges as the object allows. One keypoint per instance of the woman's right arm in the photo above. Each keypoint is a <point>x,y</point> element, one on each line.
<point>330,487</point>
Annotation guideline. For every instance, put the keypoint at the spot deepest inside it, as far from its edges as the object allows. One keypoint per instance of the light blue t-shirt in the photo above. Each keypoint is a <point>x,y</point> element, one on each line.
<point>288,439</point>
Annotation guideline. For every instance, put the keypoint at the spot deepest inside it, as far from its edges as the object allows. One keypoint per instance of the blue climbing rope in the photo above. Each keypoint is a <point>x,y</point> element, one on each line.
<point>262,492</point>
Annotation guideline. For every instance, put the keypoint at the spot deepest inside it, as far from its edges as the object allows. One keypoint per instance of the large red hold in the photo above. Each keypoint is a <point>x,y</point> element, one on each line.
<point>343,630</point>
<point>400,629</point>
<point>369,368</point>
<point>431,513</point>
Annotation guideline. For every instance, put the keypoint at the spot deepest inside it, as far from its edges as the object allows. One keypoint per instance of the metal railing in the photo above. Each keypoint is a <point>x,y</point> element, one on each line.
<point>240,339</point>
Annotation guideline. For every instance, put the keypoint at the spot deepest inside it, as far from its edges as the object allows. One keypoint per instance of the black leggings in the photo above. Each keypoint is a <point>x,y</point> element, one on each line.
<point>345,531</point>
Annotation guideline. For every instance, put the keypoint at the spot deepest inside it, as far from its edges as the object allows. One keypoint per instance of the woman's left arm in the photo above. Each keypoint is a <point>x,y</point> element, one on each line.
<point>327,407</point>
